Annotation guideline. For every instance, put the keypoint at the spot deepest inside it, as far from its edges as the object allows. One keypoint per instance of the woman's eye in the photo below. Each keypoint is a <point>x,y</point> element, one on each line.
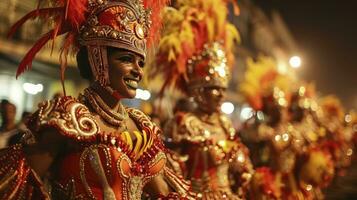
<point>127,59</point>
<point>141,63</point>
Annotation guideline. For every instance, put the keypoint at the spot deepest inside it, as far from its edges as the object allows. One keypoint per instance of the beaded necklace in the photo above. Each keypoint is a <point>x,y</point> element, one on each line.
<point>104,111</point>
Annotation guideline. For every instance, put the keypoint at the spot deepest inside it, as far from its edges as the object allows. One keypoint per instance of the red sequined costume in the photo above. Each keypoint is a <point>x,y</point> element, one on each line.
<point>89,162</point>
<point>195,55</point>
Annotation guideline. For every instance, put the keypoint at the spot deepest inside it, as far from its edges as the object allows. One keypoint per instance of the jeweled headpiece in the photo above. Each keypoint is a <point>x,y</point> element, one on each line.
<point>196,46</point>
<point>122,24</point>
<point>209,67</point>
<point>96,24</point>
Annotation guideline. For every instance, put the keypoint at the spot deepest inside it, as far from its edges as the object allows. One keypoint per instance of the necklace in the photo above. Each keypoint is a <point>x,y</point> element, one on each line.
<point>104,111</point>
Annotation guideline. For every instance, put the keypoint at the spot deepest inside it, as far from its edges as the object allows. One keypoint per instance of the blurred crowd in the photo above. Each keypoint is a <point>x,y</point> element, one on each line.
<point>10,130</point>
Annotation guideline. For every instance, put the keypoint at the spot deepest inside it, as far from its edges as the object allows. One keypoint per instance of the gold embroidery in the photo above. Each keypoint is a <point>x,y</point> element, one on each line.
<point>72,118</point>
<point>96,164</point>
<point>134,179</point>
<point>91,154</point>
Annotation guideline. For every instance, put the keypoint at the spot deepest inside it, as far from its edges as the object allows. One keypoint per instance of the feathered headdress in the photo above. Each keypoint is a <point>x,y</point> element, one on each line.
<point>332,106</point>
<point>263,82</point>
<point>128,24</point>
<point>196,44</point>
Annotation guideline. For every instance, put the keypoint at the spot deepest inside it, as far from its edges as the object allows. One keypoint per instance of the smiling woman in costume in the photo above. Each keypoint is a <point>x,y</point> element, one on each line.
<point>93,147</point>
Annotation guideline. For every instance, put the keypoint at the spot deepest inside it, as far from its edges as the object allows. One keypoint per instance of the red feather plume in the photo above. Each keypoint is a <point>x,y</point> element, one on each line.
<point>43,13</point>
<point>156,6</point>
<point>67,17</point>
<point>26,62</point>
<point>76,13</point>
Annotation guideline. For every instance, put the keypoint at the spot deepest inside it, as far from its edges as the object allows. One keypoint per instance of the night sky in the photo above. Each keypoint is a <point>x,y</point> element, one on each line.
<point>326,34</point>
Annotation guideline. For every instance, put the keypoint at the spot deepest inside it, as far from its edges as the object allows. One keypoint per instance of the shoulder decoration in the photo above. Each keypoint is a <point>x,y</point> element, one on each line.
<point>190,129</point>
<point>70,117</point>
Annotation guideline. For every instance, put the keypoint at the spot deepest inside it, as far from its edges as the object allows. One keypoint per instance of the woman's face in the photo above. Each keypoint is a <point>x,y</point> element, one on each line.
<point>125,71</point>
<point>209,99</point>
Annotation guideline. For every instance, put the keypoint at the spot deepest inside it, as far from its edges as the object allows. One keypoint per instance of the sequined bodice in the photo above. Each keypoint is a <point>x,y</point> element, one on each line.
<point>100,171</point>
<point>210,149</point>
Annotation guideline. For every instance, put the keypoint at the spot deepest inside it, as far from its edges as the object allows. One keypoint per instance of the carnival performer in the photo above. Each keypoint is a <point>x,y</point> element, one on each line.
<point>195,55</point>
<point>292,165</point>
<point>315,167</point>
<point>267,92</point>
<point>338,135</point>
<point>304,114</point>
<point>93,147</point>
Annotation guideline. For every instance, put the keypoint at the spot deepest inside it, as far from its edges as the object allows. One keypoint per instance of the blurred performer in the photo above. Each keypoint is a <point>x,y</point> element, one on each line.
<point>314,171</point>
<point>293,165</point>
<point>2,103</point>
<point>338,137</point>
<point>93,147</point>
<point>315,165</point>
<point>8,126</point>
<point>21,129</point>
<point>195,55</point>
<point>274,143</point>
<point>269,133</point>
<point>303,110</point>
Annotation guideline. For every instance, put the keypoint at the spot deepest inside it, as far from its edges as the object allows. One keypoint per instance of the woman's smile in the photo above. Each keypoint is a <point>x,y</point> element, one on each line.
<point>131,83</point>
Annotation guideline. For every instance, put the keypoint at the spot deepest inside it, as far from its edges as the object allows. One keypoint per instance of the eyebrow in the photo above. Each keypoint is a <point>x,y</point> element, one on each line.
<point>132,54</point>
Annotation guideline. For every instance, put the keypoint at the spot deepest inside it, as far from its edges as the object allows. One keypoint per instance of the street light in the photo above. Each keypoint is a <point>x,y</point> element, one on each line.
<point>246,113</point>
<point>31,88</point>
<point>227,108</point>
<point>295,62</point>
<point>142,94</point>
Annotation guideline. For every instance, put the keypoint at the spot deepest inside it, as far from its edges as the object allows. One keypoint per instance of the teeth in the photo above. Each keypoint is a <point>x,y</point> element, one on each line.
<point>131,83</point>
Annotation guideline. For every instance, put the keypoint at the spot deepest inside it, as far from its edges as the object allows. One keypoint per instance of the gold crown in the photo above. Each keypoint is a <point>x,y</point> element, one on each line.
<point>209,67</point>
<point>121,24</point>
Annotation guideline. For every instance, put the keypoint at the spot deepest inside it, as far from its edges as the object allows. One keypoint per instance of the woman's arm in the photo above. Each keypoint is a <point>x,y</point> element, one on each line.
<point>43,152</point>
<point>23,166</point>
